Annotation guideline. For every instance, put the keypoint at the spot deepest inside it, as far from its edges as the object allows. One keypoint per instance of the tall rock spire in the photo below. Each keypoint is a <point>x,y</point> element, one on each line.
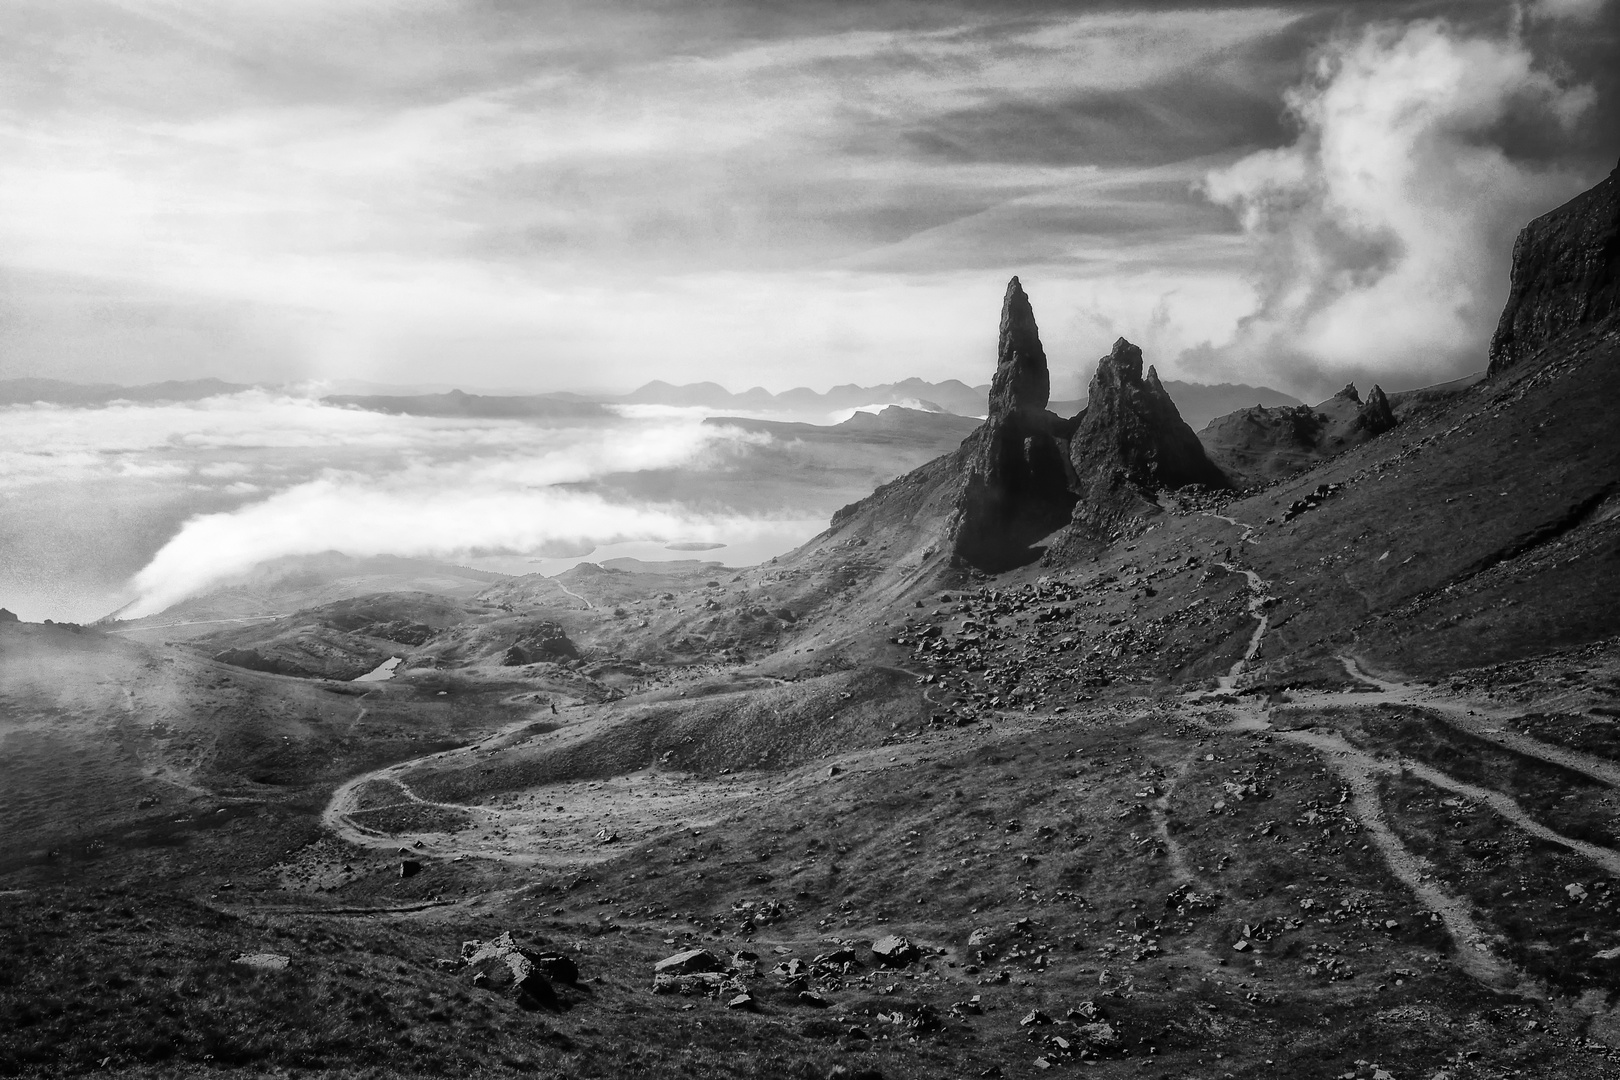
<point>1022,380</point>
<point>1018,482</point>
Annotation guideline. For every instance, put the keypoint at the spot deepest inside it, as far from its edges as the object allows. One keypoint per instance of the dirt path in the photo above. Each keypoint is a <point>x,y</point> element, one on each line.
<point>1257,609</point>
<point>567,824</point>
<point>1478,719</point>
<point>572,593</point>
<point>1160,807</point>
<point>1359,769</point>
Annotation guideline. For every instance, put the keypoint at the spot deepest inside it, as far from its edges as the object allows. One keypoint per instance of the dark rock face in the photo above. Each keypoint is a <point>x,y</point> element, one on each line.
<point>1566,274</point>
<point>1376,416</point>
<point>1131,432</point>
<point>7,616</point>
<point>1018,486</point>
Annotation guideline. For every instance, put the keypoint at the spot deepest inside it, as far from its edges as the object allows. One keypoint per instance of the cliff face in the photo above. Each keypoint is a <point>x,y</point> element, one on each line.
<point>1131,433</point>
<point>1566,274</point>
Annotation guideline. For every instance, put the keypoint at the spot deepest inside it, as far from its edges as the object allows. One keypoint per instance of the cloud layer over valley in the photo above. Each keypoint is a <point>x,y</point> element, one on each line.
<point>153,503</point>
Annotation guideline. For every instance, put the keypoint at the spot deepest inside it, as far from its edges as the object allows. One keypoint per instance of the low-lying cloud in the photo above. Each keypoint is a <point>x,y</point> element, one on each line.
<point>421,517</point>
<point>1382,234</point>
<point>187,496</point>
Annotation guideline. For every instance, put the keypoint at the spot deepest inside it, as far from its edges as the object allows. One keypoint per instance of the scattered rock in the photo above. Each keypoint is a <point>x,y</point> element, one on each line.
<point>264,961</point>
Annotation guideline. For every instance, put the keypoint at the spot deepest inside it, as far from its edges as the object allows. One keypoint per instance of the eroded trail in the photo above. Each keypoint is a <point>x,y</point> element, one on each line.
<point>1358,770</point>
<point>1480,719</point>
<point>1361,770</point>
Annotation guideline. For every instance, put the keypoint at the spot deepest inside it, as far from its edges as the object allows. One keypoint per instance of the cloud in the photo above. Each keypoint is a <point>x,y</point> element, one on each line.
<point>188,495</point>
<point>1577,11</point>
<point>1382,233</point>
<point>512,192</point>
<point>360,516</point>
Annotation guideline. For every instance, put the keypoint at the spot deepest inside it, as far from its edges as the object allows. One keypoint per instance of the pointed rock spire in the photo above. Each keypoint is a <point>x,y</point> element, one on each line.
<point>1017,488</point>
<point>1376,416</point>
<point>1021,381</point>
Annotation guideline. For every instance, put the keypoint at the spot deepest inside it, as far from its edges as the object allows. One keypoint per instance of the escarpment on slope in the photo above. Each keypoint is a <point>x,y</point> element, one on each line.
<point>1018,485</point>
<point>1566,275</point>
<point>1259,444</point>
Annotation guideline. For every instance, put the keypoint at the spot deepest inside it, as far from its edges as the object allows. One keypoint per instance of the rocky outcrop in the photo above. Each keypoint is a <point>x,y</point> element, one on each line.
<point>254,660</point>
<point>1259,444</point>
<point>544,641</point>
<point>1028,481</point>
<point>519,972</point>
<point>1566,275</point>
<point>1130,433</point>
<point>1018,485</point>
<point>1376,416</point>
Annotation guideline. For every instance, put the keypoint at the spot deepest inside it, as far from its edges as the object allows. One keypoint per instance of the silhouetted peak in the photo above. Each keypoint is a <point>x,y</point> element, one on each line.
<point>1376,416</point>
<point>1350,392</point>
<point>1022,380</point>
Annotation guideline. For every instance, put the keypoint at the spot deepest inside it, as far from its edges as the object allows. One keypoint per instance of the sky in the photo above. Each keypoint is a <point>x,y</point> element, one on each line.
<point>554,195</point>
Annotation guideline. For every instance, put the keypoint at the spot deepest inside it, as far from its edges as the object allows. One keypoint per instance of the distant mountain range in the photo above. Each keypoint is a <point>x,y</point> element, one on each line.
<point>1198,403</point>
<point>62,392</point>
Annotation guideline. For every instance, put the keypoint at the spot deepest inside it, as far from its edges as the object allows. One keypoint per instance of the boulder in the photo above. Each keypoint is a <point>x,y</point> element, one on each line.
<point>895,951</point>
<point>502,964</point>
<point>706,984</point>
<point>691,962</point>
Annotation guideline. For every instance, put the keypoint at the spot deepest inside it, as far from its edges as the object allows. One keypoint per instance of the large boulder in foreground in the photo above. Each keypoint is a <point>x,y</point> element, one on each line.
<point>1566,274</point>
<point>502,964</point>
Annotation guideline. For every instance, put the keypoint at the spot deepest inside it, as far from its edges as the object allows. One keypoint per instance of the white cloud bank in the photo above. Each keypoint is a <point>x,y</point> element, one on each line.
<point>1383,232</point>
<point>256,476</point>
<point>359,517</point>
